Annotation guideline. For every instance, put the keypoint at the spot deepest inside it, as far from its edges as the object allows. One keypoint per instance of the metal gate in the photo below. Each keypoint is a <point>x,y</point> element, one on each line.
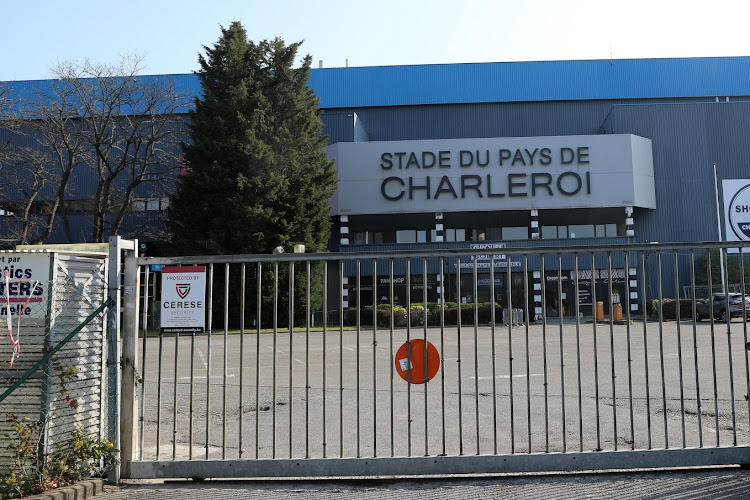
<point>299,371</point>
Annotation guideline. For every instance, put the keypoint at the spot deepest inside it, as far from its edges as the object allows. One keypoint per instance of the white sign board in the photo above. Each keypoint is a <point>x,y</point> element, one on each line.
<point>26,277</point>
<point>486,174</point>
<point>183,299</point>
<point>736,209</point>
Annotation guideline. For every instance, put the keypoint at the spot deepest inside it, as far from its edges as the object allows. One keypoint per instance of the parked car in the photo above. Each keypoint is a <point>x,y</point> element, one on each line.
<point>703,307</point>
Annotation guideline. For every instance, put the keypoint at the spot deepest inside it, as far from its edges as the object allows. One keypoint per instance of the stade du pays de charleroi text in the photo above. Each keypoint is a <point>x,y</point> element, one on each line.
<point>482,178</point>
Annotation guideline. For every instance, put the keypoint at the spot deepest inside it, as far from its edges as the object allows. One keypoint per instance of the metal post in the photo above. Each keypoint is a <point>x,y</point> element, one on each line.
<point>113,350</point>
<point>130,355</point>
<point>718,229</point>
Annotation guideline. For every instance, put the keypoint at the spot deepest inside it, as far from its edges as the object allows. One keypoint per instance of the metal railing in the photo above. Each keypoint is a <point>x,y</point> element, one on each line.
<point>263,392</point>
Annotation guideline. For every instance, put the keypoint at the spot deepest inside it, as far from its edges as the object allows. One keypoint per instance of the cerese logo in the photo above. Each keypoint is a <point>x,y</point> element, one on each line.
<point>182,289</point>
<point>739,213</point>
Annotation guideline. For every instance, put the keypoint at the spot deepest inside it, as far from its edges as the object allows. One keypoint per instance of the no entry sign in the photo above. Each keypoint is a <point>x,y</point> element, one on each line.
<point>414,360</point>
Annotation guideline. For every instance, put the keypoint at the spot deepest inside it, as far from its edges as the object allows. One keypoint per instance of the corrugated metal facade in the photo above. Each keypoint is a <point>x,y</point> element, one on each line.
<point>687,140</point>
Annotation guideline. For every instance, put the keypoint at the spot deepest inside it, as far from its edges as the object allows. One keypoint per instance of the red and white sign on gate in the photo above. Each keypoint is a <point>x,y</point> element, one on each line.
<point>415,371</point>
<point>183,299</point>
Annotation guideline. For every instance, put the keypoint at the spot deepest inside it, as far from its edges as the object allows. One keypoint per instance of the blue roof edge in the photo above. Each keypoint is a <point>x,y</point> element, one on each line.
<point>595,79</point>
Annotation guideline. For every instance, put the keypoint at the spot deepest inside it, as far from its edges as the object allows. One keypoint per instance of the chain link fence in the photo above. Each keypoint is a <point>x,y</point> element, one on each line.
<point>53,355</point>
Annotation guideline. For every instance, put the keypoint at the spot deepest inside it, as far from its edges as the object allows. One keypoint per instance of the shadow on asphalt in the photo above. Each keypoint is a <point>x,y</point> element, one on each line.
<point>693,483</point>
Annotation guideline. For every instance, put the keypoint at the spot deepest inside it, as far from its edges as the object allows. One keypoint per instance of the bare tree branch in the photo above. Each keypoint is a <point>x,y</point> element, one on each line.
<point>115,128</point>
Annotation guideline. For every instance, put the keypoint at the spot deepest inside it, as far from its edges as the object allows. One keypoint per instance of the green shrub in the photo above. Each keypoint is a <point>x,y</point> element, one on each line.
<point>77,458</point>
<point>669,309</point>
<point>417,315</point>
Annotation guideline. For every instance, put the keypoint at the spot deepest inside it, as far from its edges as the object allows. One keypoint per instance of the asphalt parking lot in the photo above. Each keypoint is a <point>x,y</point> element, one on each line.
<point>706,483</point>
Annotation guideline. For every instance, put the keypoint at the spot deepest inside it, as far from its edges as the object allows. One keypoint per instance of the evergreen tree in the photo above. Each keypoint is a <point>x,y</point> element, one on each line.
<point>256,173</point>
<point>257,176</point>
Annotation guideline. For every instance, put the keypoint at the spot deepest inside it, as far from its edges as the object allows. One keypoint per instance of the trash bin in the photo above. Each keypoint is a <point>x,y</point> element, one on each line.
<point>599,310</point>
<point>618,312</point>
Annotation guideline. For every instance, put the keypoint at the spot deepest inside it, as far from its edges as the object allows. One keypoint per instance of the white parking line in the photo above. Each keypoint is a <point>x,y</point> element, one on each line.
<point>508,376</point>
<point>203,358</point>
<point>198,379</point>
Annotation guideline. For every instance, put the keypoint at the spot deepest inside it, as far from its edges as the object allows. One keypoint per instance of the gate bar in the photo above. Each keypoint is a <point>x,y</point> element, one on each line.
<point>402,466</point>
<point>476,353</point>
<point>291,355</point>
<point>744,326</point>
<point>729,346</point>
<point>679,348</point>
<point>612,346</point>
<point>275,354</point>
<point>713,344</point>
<point>323,368</point>
<point>242,357</point>
<point>208,355</point>
<point>562,351</point>
<point>426,364</point>
<point>578,353</point>
<point>661,347</point>
<point>259,279</point>
<point>595,307</point>
<point>695,350</point>
<point>442,348</point>
<point>626,263</point>
<point>374,357</point>
<point>510,355</point>
<point>528,362</point>
<point>544,353</point>
<point>226,352</point>
<point>458,348</point>
<point>493,299</point>
<point>408,355</point>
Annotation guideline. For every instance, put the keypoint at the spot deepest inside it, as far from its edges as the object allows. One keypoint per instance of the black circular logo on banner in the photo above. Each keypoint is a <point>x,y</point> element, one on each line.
<point>739,214</point>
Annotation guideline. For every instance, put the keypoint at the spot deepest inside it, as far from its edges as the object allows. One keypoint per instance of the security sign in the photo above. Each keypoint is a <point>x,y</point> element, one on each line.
<point>183,299</point>
<point>737,209</point>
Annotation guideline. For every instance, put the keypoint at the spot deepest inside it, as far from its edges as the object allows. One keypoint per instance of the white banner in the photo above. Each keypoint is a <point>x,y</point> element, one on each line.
<point>183,299</point>
<point>26,277</point>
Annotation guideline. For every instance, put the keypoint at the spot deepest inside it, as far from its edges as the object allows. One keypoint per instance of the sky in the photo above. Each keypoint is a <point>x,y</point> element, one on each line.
<point>35,35</point>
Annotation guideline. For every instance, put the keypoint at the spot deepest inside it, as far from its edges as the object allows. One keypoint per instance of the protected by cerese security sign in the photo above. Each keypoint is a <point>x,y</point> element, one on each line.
<point>183,296</point>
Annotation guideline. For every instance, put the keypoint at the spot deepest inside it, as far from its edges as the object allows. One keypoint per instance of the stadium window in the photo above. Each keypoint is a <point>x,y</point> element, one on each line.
<point>582,231</point>
<point>495,233</point>
<point>368,238</point>
<point>406,236</point>
<point>549,232</point>
<point>516,233</point>
<point>360,238</point>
